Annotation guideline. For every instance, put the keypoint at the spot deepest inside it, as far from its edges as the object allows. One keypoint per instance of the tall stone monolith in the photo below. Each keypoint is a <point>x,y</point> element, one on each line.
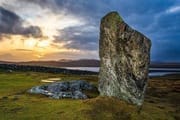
<point>124,60</point>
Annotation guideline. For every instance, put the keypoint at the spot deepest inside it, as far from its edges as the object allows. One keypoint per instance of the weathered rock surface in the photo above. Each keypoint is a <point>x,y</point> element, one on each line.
<point>66,89</point>
<point>124,58</point>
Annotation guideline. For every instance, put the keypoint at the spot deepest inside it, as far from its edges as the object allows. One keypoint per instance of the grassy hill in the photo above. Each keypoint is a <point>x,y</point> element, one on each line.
<point>161,102</point>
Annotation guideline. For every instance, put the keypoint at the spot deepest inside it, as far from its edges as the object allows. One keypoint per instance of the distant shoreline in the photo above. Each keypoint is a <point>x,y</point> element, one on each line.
<point>14,67</point>
<point>153,72</point>
<point>84,63</point>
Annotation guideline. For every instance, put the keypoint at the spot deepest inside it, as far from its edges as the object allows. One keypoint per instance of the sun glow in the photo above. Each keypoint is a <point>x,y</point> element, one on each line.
<point>43,44</point>
<point>34,43</point>
<point>30,43</point>
<point>26,48</point>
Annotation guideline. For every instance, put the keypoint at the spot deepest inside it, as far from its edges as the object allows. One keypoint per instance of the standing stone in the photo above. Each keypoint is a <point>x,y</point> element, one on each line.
<point>124,60</point>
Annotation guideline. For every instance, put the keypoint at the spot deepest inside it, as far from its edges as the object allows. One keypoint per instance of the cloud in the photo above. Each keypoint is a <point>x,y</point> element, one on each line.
<point>148,17</point>
<point>16,57</point>
<point>6,56</point>
<point>79,7</point>
<point>82,37</point>
<point>173,9</point>
<point>157,19</point>
<point>167,51</point>
<point>24,50</point>
<point>71,55</point>
<point>165,36</point>
<point>11,23</point>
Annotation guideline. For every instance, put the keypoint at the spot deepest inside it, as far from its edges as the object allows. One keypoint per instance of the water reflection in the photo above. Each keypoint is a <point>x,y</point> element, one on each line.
<point>153,71</point>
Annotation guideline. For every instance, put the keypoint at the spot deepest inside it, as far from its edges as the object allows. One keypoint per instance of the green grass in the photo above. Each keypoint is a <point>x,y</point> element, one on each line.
<point>17,104</point>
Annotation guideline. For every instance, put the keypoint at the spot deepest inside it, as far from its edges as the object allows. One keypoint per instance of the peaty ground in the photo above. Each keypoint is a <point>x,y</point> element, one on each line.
<point>161,103</point>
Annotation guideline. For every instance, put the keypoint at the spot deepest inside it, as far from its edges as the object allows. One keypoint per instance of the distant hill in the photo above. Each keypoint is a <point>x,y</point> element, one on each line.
<point>60,63</point>
<point>165,65</point>
<point>84,63</point>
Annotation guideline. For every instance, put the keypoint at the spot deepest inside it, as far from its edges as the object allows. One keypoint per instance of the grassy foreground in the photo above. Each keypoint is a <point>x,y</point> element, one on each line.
<point>161,103</point>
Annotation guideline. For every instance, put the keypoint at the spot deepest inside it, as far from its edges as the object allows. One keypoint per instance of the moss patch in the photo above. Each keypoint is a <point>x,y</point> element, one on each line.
<point>111,20</point>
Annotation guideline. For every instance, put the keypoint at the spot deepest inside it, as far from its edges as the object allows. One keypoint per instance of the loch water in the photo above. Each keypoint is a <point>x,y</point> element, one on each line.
<point>152,71</point>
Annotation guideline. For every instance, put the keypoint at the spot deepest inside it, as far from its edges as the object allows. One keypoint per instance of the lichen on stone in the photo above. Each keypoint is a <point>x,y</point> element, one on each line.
<point>124,60</point>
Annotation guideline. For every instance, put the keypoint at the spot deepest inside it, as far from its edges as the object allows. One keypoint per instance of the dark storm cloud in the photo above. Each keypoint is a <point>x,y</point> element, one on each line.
<point>80,37</point>
<point>147,16</point>
<point>10,23</point>
<point>152,19</point>
<point>43,3</point>
<point>167,51</point>
<point>165,35</point>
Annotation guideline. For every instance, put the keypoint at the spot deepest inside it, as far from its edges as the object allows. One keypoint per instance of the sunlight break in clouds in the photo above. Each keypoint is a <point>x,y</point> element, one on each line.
<point>70,28</point>
<point>30,48</point>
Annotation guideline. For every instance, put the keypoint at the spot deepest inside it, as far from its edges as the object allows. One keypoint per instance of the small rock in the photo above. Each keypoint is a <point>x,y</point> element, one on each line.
<point>59,86</point>
<point>9,71</point>
<point>66,89</point>
<point>79,95</point>
<point>75,85</point>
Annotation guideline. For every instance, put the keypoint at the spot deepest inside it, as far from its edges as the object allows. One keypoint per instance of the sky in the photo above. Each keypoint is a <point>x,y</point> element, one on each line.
<point>69,29</point>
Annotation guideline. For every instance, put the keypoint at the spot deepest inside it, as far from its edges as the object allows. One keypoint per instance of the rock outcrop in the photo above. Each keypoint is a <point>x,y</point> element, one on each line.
<point>124,60</point>
<point>65,89</point>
